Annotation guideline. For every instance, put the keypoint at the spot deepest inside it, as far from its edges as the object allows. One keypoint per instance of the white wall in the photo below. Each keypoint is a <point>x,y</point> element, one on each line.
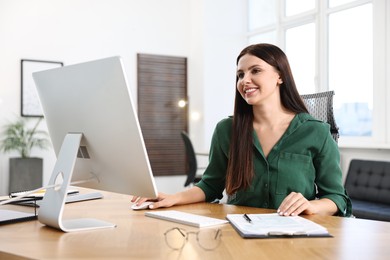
<point>220,36</point>
<point>74,31</point>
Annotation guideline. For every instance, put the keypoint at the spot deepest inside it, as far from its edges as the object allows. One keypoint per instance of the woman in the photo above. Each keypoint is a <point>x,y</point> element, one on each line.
<point>272,153</point>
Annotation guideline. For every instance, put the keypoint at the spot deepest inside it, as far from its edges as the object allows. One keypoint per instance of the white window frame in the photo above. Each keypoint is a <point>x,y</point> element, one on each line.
<point>380,138</point>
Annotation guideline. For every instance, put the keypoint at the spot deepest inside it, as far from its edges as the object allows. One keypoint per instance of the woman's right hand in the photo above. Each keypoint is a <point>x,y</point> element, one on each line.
<point>162,201</point>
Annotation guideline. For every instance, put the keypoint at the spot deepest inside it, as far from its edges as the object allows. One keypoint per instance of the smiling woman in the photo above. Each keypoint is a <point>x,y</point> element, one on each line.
<point>271,153</point>
<point>258,81</point>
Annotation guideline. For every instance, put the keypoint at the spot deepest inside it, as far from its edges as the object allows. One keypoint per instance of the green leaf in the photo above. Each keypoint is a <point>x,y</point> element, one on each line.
<point>20,138</point>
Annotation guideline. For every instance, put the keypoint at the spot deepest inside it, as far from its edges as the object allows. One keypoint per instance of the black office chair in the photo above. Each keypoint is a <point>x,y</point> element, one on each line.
<point>320,106</point>
<point>192,164</point>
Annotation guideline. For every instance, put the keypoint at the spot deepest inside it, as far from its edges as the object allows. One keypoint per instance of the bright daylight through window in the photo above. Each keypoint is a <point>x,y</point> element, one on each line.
<point>331,46</point>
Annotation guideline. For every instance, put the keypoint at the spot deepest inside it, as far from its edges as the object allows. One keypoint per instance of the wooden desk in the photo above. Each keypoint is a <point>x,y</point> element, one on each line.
<point>140,237</point>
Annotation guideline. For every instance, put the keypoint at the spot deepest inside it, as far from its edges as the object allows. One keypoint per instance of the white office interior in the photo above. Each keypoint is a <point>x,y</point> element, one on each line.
<point>209,33</point>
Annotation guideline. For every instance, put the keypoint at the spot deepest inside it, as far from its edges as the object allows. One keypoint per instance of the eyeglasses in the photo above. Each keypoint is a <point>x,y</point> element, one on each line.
<point>208,239</point>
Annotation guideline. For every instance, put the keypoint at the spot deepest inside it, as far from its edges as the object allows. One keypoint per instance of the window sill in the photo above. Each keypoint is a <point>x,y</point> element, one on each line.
<point>362,146</point>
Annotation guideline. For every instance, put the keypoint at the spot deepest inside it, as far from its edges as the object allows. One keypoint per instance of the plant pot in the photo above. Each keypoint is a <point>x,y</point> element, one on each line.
<point>25,174</point>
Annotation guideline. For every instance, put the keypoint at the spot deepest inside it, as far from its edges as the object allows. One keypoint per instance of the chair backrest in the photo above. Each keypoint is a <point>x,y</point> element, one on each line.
<point>369,180</point>
<point>192,165</point>
<point>320,106</point>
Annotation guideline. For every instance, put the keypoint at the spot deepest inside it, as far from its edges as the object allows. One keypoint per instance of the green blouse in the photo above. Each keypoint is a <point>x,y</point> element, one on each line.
<point>306,159</point>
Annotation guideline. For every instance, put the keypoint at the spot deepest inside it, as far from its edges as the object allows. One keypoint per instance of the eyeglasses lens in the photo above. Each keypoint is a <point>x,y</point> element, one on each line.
<point>209,239</point>
<point>175,238</point>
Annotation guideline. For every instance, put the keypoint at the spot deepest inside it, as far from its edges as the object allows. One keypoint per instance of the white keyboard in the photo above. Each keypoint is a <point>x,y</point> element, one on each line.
<point>185,218</point>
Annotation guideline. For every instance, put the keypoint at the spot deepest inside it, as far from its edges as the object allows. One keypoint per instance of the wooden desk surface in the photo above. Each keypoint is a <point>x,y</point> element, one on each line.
<point>140,237</point>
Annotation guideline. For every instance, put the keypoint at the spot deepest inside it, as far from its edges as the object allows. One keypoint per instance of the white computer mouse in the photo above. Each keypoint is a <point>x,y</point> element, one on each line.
<point>144,205</point>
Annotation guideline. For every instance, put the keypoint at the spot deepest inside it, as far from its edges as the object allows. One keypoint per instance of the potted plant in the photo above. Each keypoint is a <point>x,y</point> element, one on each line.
<point>25,171</point>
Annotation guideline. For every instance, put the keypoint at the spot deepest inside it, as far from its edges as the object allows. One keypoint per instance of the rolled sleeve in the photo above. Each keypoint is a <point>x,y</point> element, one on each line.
<point>329,176</point>
<point>213,179</point>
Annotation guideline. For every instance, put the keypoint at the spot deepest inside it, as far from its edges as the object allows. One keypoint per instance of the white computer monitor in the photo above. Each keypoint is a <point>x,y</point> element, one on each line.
<point>95,133</point>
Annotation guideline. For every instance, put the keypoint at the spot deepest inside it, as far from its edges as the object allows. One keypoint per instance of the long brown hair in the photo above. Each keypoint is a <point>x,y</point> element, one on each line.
<point>240,165</point>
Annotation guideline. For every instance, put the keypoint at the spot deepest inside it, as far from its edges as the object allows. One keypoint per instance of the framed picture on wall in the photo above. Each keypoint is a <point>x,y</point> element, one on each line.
<point>30,105</point>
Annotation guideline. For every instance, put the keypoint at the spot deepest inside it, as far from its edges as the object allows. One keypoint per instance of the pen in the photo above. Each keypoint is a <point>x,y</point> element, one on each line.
<point>247,218</point>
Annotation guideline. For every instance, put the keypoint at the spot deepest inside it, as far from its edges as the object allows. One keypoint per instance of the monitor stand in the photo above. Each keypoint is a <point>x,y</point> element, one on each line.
<point>51,209</point>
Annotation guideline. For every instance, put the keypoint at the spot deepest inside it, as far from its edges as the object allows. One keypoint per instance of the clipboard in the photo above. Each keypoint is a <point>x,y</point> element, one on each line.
<point>275,226</point>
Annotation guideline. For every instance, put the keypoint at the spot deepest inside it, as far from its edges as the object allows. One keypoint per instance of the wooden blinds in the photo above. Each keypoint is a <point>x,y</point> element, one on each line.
<point>162,83</point>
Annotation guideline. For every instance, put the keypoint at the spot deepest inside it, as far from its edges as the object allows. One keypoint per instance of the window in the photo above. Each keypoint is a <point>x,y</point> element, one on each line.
<point>333,45</point>
<point>295,7</point>
<point>267,16</point>
<point>299,40</point>
<point>351,69</point>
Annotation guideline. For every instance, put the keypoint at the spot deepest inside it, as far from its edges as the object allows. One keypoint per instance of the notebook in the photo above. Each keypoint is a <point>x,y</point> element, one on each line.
<point>39,194</point>
<point>12,216</point>
<point>72,197</point>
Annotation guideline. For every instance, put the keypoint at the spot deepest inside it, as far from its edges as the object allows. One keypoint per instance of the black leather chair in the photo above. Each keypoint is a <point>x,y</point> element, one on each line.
<point>192,162</point>
<point>368,186</point>
<point>320,106</point>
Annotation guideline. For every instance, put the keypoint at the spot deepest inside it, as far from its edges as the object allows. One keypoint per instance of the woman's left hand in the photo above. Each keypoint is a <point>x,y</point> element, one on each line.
<point>295,204</point>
